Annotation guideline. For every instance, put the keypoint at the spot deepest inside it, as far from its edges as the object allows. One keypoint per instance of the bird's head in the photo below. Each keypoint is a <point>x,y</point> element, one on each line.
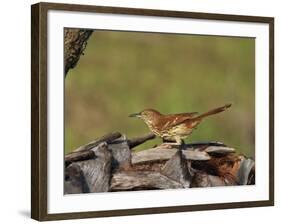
<point>147,115</point>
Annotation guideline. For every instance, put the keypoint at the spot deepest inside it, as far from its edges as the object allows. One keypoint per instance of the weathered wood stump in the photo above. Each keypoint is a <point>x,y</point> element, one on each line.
<point>110,164</point>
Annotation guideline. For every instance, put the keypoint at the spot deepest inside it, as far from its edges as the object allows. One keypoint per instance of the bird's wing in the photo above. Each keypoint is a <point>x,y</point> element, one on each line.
<point>171,120</point>
<point>183,115</point>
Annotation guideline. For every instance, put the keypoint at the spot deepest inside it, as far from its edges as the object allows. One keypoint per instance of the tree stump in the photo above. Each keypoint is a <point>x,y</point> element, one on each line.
<point>110,164</point>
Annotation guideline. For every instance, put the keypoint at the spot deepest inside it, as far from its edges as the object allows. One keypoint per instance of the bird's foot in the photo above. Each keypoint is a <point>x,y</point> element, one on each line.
<point>170,145</point>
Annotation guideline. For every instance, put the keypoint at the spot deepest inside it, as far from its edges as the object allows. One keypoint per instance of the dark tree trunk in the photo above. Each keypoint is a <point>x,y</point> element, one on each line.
<point>75,42</point>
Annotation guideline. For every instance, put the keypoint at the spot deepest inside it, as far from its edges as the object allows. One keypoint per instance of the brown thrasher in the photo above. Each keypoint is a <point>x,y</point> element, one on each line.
<point>174,127</point>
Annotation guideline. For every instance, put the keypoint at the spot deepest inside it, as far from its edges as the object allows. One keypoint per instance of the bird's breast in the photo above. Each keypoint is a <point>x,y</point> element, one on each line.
<point>153,127</point>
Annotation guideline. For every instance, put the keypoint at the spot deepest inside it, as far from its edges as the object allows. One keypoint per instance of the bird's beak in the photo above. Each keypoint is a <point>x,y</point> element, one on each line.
<point>135,115</point>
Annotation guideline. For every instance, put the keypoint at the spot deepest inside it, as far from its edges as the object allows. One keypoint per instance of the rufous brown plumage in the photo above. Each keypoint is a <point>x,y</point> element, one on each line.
<point>174,127</point>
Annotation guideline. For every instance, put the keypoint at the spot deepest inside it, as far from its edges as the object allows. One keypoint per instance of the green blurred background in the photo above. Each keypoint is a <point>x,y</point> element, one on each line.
<point>126,72</point>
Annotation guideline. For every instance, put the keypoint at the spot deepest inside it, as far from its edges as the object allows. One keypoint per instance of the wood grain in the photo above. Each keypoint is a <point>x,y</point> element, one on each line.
<point>176,169</point>
<point>97,171</point>
<point>141,180</point>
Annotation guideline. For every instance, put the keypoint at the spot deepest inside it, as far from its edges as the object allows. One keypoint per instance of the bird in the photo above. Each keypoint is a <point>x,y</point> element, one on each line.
<point>174,127</point>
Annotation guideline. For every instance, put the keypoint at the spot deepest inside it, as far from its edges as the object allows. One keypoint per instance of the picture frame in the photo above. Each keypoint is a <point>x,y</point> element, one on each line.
<point>43,91</point>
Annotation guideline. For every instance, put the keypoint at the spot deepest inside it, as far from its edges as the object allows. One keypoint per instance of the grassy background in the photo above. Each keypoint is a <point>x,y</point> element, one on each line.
<point>126,72</point>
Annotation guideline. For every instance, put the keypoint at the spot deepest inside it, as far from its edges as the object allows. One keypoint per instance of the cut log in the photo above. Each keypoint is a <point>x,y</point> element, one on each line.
<point>142,180</point>
<point>205,180</point>
<point>246,166</point>
<point>218,165</point>
<point>162,153</point>
<point>108,164</point>
<point>97,172</point>
<point>176,169</point>
<point>121,153</point>
<point>191,154</point>
<point>106,138</point>
<point>139,140</point>
<point>252,177</point>
<point>200,144</point>
<point>79,156</point>
<point>157,154</point>
<point>74,182</point>
<point>219,150</point>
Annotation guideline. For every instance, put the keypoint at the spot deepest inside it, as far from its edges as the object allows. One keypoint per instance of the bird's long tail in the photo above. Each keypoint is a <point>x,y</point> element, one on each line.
<point>214,111</point>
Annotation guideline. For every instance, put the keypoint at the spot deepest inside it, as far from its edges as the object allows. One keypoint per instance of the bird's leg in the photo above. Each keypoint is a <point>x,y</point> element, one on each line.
<point>170,144</point>
<point>166,143</point>
<point>180,142</point>
<point>165,140</point>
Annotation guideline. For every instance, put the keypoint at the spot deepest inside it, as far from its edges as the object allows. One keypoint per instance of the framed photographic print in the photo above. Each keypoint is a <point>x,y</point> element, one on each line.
<point>138,111</point>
